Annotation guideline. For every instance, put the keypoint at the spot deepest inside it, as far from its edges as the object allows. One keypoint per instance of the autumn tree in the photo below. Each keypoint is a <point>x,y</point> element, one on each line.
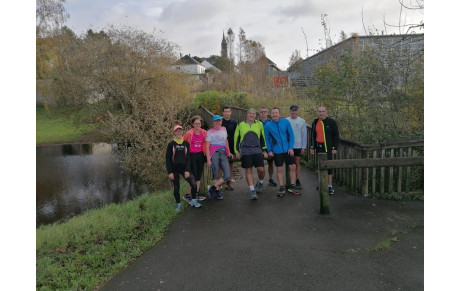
<point>50,16</point>
<point>375,94</point>
<point>123,76</point>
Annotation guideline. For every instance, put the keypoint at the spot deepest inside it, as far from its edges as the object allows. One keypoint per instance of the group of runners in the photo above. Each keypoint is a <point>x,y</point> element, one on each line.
<point>278,140</point>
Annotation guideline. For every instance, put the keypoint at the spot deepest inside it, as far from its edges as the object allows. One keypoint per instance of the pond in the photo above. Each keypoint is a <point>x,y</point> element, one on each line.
<point>73,178</point>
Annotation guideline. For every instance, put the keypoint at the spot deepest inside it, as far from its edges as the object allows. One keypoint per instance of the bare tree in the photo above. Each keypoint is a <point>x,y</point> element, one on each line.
<point>50,16</point>
<point>403,27</point>
<point>306,42</point>
<point>295,56</point>
<point>231,44</point>
<point>241,41</point>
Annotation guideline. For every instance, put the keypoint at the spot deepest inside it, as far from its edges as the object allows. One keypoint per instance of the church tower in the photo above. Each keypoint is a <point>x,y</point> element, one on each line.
<point>223,50</point>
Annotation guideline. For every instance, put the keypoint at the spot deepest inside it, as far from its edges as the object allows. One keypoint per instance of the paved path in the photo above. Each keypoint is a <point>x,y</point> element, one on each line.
<point>285,244</point>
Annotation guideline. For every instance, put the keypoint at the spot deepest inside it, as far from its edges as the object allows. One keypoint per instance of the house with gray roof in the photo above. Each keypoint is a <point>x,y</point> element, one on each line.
<point>188,65</point>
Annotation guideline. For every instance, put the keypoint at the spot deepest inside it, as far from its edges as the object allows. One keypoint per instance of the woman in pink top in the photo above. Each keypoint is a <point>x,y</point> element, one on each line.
<point>217,154</point>
<point>196,137</point>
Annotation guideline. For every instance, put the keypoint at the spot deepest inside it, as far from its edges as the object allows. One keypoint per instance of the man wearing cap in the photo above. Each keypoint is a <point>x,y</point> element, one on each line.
<point>325,139</point>
<point>217,154</point>
<point>280,145</point>
<point>251,149</point>
<point>178,162</point>
<point>300,139</point>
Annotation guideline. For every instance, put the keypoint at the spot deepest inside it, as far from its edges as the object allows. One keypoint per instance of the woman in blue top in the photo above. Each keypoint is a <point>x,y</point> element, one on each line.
<point>280,145</point>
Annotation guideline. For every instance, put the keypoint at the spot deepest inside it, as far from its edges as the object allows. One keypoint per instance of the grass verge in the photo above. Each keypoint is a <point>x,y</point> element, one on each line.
<point>85,251</point>
<point>58,127</point>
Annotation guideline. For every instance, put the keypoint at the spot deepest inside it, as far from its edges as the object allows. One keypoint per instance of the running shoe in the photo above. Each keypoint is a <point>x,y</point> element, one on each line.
<point>219,195</point>
<point>272,182</point>
<point>195,203</point>
<point>293,189</point>
<point>331,191</point>
<point>297,183</point>
<point>211,192</point>
<point>188,198</point>
<point>200,197</point>
<point>253,195</point>
<point>259,187</point>
<point>281,192</point>
<point>177,207</point>
<point>228,186</point>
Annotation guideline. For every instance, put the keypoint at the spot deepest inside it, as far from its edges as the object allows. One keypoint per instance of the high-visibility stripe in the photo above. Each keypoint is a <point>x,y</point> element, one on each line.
<point>324,136</point>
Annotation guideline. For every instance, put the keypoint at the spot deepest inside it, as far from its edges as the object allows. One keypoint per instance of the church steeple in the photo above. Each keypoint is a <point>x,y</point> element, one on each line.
<point>223,51</point>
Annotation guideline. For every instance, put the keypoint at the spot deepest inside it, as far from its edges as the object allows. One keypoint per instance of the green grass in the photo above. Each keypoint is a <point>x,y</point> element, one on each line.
<point>385,245</point>
<point>85,251</point>
<point>58,127</point>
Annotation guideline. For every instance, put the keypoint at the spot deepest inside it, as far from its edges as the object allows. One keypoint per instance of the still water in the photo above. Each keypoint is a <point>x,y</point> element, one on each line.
<point>73,178</point>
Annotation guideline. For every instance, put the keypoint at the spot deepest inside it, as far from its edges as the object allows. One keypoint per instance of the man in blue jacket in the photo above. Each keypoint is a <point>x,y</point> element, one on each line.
<point>280,145</point>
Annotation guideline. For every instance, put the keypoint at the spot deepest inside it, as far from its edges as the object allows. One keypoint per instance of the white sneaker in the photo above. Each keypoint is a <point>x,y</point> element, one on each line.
<point>253,195</point>
<point>259,187</point>
<point>195,203</point>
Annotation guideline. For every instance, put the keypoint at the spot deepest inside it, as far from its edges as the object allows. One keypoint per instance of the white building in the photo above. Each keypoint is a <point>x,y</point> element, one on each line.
<point>208,65</point>
<point>189,65</point>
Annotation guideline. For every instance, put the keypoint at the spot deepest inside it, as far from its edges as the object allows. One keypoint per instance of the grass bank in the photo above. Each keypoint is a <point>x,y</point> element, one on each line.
<point>85,251</point>
<point>58,126</point>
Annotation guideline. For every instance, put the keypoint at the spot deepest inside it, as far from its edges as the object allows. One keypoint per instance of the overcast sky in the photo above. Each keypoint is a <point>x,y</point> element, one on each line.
<point>197,25</point>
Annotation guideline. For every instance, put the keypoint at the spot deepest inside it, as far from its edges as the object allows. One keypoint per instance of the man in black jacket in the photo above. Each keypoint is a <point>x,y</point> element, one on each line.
<point>325,139</point>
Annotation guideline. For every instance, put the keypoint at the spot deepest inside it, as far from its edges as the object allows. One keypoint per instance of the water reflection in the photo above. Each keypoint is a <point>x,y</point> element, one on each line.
<point>73,178</point>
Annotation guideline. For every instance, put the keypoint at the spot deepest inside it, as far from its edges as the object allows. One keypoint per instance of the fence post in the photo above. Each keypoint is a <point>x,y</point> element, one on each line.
<point>323,191</point>
<point>365,177</point>
<point>206,180</point>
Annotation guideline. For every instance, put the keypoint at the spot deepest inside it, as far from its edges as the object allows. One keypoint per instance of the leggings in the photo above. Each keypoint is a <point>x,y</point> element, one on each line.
<point>176,182</point>
<point>220,160</point>
<point>197,160</point>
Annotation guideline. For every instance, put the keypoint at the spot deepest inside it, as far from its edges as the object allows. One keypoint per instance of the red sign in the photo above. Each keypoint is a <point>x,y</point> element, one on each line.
<point>280,82</point>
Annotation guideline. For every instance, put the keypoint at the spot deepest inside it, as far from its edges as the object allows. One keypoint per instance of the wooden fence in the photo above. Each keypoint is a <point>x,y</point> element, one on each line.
<point>239,114</point>
<point>379,179</point>
<point>364,164</point>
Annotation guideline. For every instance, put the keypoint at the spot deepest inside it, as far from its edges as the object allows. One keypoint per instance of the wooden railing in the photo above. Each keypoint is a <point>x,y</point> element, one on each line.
<point>364,164</point>
<point>239,114</point>
<point>379,180</point>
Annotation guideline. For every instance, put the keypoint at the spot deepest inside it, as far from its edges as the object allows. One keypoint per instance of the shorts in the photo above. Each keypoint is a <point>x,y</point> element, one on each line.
<point>298,152</point>
<point>256,160</point>
<point>320,148</point>
<point>280,159</point>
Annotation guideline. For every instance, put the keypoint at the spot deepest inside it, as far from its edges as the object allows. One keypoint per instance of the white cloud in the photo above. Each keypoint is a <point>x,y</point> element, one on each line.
<point>197,25</point>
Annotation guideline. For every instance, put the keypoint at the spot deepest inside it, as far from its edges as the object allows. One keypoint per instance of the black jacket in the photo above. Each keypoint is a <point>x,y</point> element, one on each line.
<point>330,131</point>
<point>178,157</point>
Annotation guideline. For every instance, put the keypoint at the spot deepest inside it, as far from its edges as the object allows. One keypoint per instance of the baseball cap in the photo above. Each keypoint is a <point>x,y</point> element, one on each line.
<point>177,127</point>
<point>216,117</point>
<point>294,107</point>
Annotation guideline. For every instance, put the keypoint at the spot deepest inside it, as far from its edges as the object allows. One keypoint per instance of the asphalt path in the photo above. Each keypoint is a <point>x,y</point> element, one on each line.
<point>285,244</point>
